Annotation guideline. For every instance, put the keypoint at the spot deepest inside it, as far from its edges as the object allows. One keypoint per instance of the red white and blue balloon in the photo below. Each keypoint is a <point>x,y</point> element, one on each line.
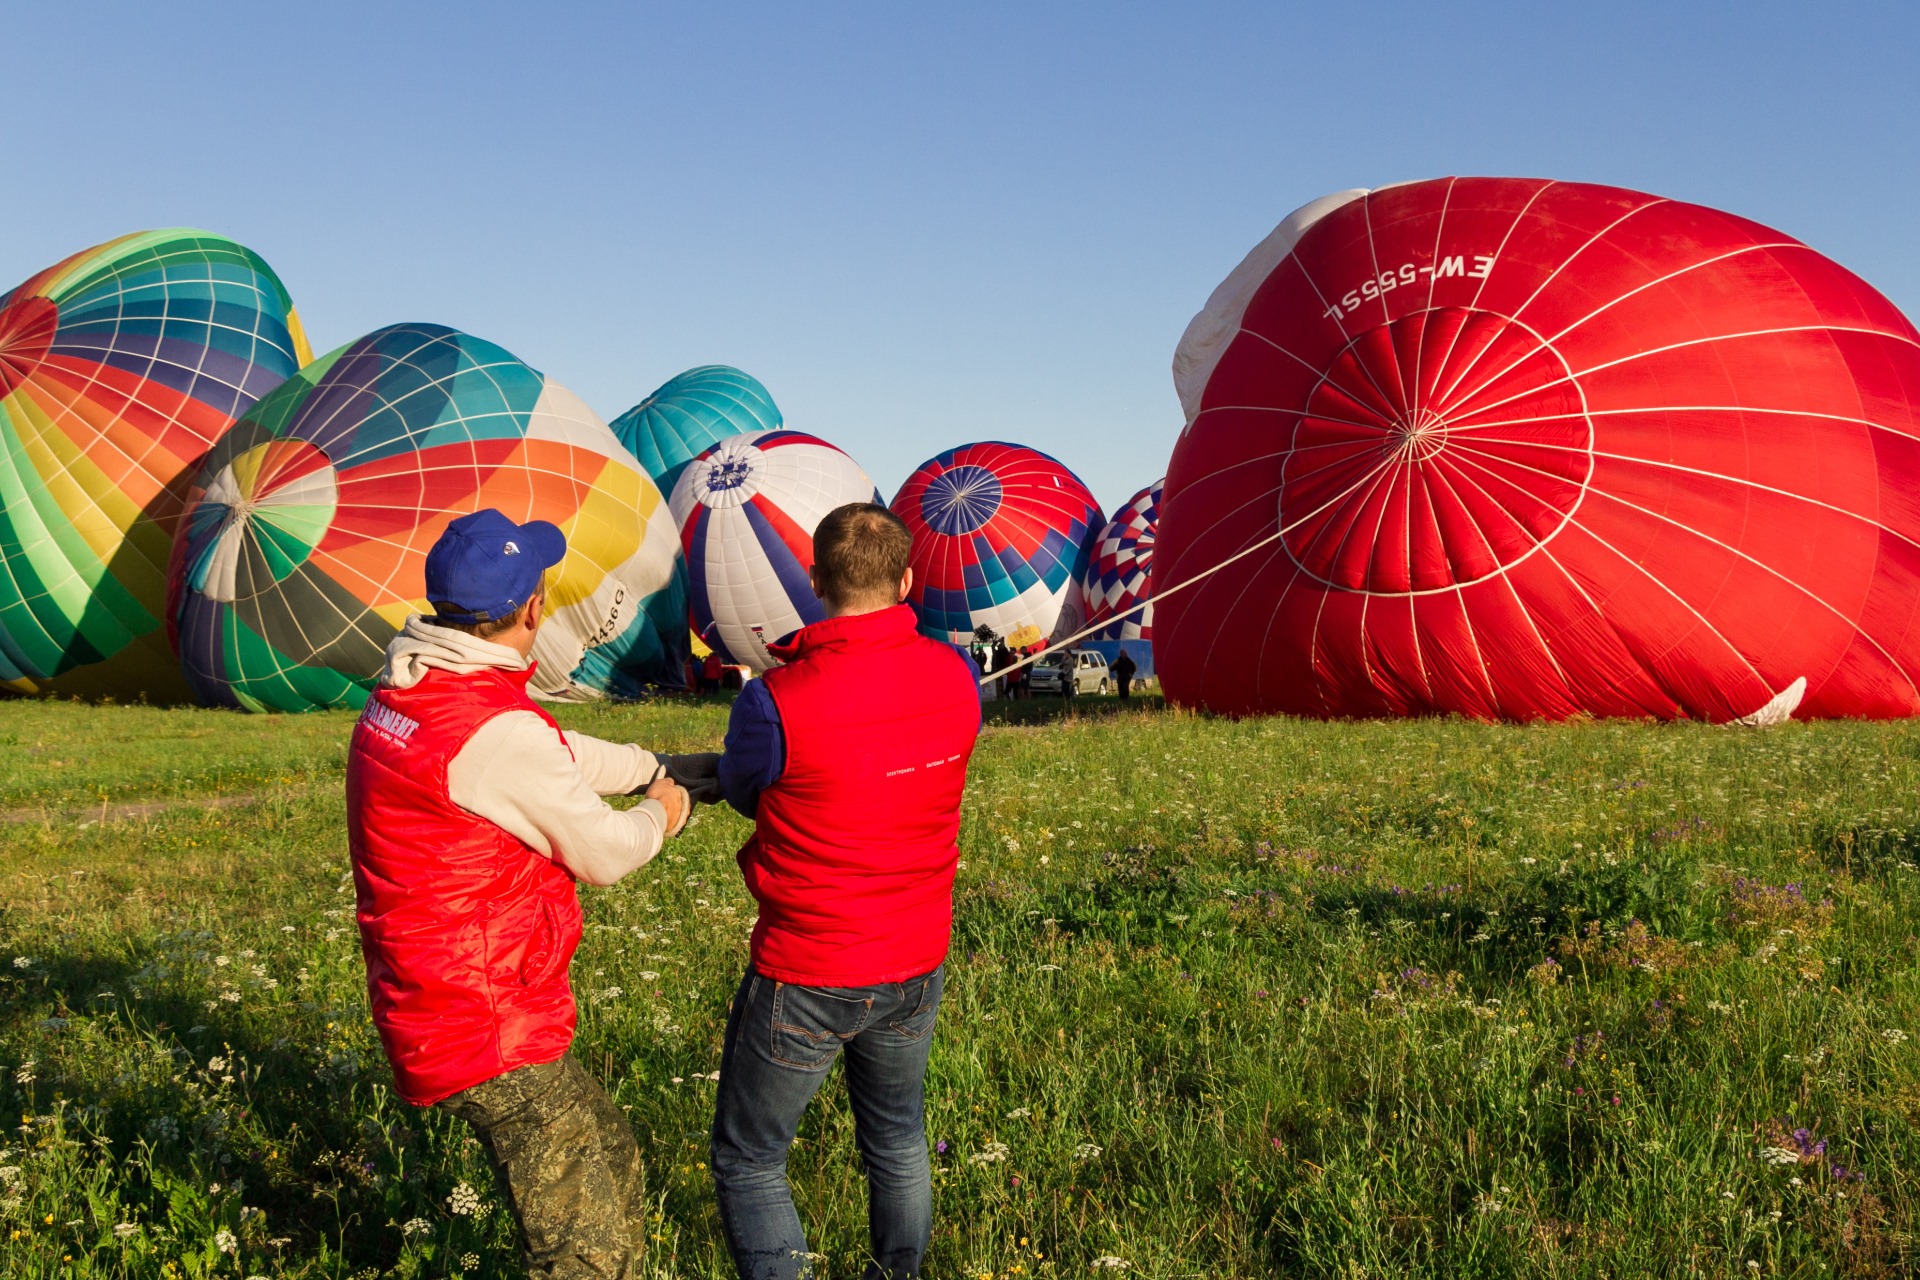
<point>1119,572</point>
<point>747,508</point>
<point>1001,534</point>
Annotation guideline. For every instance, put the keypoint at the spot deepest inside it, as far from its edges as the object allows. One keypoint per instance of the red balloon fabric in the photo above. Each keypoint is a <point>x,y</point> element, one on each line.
<point>1536,449</point>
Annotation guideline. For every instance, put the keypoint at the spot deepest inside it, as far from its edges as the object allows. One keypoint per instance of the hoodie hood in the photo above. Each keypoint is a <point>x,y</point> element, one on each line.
<point>422,647</point>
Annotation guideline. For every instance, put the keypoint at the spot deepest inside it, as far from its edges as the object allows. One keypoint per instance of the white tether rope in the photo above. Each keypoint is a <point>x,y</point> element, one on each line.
<point>1159,593</point>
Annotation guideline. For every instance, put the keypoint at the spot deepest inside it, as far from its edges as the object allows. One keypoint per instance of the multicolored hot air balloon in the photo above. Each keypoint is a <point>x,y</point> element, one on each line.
<point>689,413</point>
<point>1525,449</point>
<point>747,508</point>
<point>303,549</point>
<point>1001,535</point>
<point>1120,568</point>
<point>119,368</point>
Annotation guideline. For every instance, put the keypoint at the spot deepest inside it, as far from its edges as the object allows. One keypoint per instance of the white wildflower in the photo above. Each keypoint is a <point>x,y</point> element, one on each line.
<point>1048,968</point>
<point>216,1064</point>
<point>23,962</point>
<point>1484,1203</point>
<point>1087,1151</point>
<point>649,975</point>
<point>613,993</point>
<point>286,928</point>
<point>1779,1156</point>
<point>225,1241</point>
<point>9,1174</point>
<point>248,954</point>
<point>24,1074</point>
<point>464,1202</point>
<point>221,962</point>
<point>1019,1113</point>
<point>230,995</point>
<point>416,1227</point>
<point>1107,1262</point>
<point>992,1153</point>
<point>1894,1035</point>
<point>124,1230</point>
<point>469,1260</point>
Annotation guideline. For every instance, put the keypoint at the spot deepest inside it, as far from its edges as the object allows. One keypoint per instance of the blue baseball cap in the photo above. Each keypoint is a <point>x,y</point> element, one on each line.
<point>485,567</point>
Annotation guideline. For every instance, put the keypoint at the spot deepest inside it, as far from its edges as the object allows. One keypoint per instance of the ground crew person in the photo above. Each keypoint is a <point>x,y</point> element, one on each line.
<point>470,814</point>
<point>1123,669</point>
<point>850,758</point>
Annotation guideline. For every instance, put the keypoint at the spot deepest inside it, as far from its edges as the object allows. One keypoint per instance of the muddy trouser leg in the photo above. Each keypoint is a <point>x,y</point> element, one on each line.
<point>565,1155</point>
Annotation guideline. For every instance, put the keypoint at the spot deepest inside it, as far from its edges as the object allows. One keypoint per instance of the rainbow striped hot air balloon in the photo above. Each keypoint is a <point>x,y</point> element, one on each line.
<point>1001,535</point>
<point>747,508</point>
<point>1119,572</point>
<point>304,548</point>
<point>691,412</point>
<point>119,368</point>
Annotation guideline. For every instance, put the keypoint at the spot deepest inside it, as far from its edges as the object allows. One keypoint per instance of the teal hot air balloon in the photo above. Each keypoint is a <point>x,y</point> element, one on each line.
<point>690,413</point>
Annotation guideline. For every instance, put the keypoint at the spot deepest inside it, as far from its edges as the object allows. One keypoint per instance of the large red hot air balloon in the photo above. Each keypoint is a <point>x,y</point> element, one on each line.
<point>1525,449</point>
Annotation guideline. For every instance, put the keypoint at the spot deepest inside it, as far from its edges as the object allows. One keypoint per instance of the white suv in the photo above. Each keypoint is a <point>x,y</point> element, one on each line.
<point>1070,673</point>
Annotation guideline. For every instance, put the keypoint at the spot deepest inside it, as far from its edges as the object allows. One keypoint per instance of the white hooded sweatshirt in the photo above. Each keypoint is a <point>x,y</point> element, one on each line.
<point>515,773</point>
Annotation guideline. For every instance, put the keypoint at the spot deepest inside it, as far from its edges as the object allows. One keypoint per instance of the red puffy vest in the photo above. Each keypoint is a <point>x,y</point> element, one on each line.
<point>853,849</point>
<point>466,930</point>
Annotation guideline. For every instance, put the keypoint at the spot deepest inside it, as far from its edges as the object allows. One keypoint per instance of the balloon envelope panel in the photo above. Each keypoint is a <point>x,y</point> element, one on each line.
<point>1001,535</point>
<point>747,508</point>
<point>691,412</point>
<point>1538,449</point>
<point>1119,572</point>
<point>119,368</point>
<point>304,548</point>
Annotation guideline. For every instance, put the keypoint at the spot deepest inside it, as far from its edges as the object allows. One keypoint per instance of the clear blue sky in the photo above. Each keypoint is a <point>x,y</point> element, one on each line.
<point>918,224</point>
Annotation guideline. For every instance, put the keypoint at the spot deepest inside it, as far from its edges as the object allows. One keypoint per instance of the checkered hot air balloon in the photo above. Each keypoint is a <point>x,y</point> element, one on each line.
<point>1001,535</point>
<point>689,413</point>
<point>1119,570</point>
<point>303,549</point>
<point>119,368</point>
<point>747,508</point>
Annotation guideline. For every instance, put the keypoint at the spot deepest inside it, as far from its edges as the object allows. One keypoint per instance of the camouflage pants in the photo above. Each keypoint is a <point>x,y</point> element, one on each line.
<point>566,1156</point>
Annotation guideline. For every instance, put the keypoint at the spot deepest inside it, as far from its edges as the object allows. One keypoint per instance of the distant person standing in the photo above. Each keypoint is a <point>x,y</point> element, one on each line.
<point>1123,669</point>
<point>850,758</point>
<point>1002,658</point>
<point>711,671</point>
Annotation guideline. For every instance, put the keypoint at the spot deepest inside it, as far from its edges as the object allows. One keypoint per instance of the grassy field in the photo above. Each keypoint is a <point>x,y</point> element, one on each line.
<point>1417,999</point>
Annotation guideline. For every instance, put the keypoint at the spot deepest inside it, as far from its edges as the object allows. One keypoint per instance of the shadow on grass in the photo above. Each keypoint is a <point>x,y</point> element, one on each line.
<point>192,1096</point>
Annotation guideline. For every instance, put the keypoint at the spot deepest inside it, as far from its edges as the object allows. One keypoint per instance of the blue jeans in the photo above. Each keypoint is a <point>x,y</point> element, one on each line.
<point>781,1042</point>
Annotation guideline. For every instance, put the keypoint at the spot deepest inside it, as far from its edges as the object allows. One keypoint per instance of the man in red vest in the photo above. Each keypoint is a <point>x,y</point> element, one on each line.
<point>470,814</point>
<point>851,759</point>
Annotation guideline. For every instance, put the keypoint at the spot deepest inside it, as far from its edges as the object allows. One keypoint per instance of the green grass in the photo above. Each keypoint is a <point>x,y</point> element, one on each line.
<point>1232,999</point>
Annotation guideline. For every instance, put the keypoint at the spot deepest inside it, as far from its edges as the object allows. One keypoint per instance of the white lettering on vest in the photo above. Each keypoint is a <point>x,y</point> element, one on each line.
<point>388,723</point>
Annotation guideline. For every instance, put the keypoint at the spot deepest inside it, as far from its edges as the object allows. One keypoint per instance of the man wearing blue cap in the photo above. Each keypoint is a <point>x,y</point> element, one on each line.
<point>470,816</point>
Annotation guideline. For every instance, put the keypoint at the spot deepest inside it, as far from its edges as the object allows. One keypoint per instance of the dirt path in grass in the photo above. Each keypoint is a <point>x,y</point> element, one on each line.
<point>102,814</point>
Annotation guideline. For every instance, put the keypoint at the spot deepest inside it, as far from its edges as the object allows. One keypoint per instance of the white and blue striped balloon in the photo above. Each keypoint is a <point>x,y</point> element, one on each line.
<point>746,509</point>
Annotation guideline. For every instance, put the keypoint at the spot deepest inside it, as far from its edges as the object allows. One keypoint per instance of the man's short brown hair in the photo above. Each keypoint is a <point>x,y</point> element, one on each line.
<point>860,553</point>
